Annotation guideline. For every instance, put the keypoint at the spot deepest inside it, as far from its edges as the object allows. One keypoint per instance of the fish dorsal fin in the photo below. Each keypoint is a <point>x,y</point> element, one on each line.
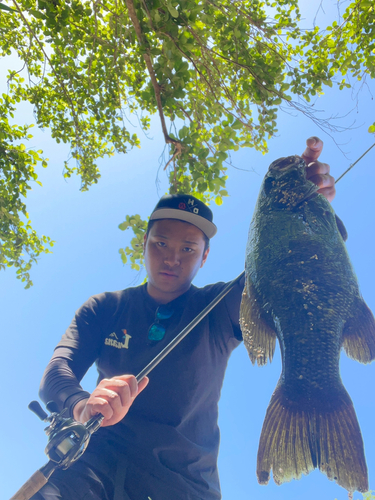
<point>341,227</point>
<point>259,338</point>
<point>359,334</point>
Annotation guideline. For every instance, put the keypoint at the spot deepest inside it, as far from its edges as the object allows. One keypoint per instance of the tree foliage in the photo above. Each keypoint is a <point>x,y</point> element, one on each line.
<point>17,171</point>
<point>346,49</point>
<point>216,72</point>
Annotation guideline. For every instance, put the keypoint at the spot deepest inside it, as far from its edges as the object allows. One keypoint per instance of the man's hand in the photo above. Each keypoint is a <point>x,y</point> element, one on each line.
<point>112,398</point>
<point>318,172</point>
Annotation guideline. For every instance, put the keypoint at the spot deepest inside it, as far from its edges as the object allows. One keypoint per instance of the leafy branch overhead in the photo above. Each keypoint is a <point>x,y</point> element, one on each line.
<point>134,253</point>
<point>216,72</point>
<point>17,172</point>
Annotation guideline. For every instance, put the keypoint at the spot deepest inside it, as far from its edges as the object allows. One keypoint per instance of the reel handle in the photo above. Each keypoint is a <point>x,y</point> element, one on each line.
<point>35,407</point>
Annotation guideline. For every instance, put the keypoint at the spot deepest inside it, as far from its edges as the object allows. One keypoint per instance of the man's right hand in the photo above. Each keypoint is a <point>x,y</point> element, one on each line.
<point>318,172</point>
<point>112,398</point>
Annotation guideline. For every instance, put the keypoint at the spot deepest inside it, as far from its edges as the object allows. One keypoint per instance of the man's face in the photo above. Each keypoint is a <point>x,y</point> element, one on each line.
<point>174,252</point>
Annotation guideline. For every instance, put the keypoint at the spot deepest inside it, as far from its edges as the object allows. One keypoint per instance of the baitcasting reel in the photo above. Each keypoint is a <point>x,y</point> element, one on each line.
<point>67,438</point>
<point>67,441</point>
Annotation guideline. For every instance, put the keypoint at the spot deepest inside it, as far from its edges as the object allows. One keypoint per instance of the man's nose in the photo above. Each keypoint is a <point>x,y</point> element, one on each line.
<point>172,258</point>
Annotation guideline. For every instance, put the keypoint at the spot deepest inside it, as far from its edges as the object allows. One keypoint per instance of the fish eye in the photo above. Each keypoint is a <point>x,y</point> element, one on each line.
<point>294,174</point>
<point>283,163</point>
<point>268,184</point>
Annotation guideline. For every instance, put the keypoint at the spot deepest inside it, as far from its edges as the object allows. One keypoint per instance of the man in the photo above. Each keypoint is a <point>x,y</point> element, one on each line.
<point>166,446</point>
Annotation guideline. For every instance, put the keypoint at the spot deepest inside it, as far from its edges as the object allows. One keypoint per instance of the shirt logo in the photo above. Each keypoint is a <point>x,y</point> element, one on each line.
<point>113,341</point>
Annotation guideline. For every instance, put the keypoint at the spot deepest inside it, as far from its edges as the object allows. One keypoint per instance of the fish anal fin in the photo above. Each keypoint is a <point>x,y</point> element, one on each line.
<point>295,441</point>
<point>359,334</point>
<point>259,338</point>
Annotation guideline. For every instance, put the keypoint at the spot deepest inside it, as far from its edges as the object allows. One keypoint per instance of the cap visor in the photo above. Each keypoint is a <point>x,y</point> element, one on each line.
<point>207,227</point>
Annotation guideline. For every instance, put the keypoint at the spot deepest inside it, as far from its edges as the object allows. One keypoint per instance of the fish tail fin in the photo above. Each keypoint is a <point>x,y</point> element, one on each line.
<point>359,334</point>
<point>258,337</point>
<point>295,441</point>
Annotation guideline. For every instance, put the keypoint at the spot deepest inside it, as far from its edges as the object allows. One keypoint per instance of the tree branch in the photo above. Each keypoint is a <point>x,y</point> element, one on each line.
<point>150,68</point>
<point>60,82</point>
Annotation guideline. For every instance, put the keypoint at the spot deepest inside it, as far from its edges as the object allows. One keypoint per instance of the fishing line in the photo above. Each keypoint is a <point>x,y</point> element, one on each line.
<point>352,165</point>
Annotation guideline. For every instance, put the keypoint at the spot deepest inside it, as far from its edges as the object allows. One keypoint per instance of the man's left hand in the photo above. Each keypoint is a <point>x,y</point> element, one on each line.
<point>318,172</point>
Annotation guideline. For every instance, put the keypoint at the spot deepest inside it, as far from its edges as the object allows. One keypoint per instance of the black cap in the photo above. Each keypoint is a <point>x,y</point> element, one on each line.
<point>186,208</point>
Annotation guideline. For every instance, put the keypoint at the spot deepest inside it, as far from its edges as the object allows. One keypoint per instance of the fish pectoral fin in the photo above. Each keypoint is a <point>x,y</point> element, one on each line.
<point>296,439</point>
<point>359,334</point>
<point>341,227</point>
<point>259,338</point>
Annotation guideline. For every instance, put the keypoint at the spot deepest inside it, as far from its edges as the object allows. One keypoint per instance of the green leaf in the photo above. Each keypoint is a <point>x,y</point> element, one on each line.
<point>37,14</point>
<point>124,258</point>
<point>123,226</point>
<point>5,7</point>
<point>172,10</point>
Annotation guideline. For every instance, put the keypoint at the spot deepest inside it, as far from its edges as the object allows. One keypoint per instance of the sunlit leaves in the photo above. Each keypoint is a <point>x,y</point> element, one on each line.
<point>222,70</point>
<point>343,49</point>
<point>368,495</point>
<point>134,253</point>
<point>20,245</point>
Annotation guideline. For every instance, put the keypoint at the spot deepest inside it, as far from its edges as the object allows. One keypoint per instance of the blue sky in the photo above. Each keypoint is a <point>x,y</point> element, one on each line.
<point>85,261</point>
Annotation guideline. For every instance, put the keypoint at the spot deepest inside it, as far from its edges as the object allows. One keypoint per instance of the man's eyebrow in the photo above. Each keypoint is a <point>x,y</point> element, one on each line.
<point>184,241</point>
<point>160,236</point>
<point>190,242</point>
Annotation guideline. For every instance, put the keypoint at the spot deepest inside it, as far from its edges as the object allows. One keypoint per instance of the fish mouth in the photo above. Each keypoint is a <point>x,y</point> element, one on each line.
<point>286,182</point>
<point>284,170</point>
<point>286,163</point>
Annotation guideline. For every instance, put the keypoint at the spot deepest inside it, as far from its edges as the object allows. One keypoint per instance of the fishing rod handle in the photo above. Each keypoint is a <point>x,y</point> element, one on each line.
<point>32,486</point>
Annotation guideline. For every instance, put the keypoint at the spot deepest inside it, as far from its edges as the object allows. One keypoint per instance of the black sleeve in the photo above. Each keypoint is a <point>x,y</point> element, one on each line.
<point>73,356</point>
<point>60,382</point>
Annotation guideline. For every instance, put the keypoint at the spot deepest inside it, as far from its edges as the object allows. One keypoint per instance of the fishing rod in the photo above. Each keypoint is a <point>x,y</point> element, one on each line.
<point>68,439</point>
<point>352,165</point>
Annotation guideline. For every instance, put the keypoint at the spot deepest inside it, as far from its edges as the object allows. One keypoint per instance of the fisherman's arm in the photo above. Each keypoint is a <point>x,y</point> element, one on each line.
<point>76,352</point>
<point>60,382</point>
<point>112,397</point>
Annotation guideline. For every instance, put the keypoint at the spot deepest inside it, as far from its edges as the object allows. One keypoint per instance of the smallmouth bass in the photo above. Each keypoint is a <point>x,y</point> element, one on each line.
<point>301,289</point>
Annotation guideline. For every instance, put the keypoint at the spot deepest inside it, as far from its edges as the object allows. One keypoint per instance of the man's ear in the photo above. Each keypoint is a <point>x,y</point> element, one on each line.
<point>205,255</point>
<point>144,242</point>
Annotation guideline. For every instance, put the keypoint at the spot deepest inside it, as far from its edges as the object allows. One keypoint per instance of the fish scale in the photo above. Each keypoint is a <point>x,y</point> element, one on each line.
<point>301,289</point>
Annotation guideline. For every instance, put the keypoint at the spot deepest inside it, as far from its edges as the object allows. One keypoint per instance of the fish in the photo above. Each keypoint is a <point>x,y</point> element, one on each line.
<point>300,288</point>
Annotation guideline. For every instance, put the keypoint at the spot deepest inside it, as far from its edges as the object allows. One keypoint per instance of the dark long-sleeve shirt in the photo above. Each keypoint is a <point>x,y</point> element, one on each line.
<point>171,429</point>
